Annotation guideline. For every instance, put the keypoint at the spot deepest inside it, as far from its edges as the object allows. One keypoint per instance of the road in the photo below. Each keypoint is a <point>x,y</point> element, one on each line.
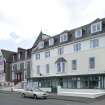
<point>14,99</point>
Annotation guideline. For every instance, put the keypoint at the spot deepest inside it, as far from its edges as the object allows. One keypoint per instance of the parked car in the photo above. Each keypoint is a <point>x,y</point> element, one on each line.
<point>36,93</point>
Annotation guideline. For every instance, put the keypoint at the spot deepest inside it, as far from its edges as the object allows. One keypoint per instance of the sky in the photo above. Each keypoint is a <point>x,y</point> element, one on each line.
<point>22,20</point>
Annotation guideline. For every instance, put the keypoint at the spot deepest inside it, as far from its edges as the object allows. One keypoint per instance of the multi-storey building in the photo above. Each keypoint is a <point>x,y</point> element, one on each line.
<point>21,65</point>
<point>5,63</point>
<point>72,59</point>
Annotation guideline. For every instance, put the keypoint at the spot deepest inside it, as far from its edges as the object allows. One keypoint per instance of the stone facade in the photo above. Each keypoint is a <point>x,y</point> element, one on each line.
<point>21,65</point>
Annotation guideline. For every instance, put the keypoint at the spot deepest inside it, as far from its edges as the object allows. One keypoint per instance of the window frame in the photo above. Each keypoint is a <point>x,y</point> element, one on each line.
<point>77,47</point>
<point>51,41</point>
<point>60,50</point>
<point>37,56</point>
<point>18,66</point>
<point>76,33</point>
<point>41,44</point>
<point>74,65</point>
<point>95,26</point>
<point>63,37</point>
<point>60,67</point>
<point>47,68</point>
<point>47,54</point>
<point>91,63</point>
<point>94,43</point>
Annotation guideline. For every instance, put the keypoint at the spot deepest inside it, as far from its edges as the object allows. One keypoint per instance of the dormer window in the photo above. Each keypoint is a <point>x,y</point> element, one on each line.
<point>78,33</point>
<point>63,37</point>
<point>41,44</point>
<point>96,27</point>
<point>51,41</point>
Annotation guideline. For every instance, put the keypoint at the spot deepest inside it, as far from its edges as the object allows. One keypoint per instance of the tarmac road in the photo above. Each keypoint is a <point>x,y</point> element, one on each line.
<point>16,99</point>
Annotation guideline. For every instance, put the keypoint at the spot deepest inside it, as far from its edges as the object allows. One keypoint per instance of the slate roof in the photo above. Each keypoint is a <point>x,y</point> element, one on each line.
<point>22,54</point>
<point>86,32</point>
<point>39,38</point>
<point>7,55</point>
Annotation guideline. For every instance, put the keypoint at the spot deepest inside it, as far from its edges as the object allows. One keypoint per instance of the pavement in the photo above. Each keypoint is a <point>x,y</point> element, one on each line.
<point>75,99</point>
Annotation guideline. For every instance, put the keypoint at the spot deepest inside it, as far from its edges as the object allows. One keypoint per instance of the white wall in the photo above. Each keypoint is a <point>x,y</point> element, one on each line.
<point>82,58</point>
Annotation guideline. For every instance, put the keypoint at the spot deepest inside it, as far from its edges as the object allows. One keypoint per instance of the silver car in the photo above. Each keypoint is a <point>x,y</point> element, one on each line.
<point>36,93</point>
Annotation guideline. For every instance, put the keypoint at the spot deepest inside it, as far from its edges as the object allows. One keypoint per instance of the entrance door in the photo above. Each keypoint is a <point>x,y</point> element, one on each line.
<point>54,84</point>
<point>54,89</point>
<point>60,82</point>
<point>93,84</point>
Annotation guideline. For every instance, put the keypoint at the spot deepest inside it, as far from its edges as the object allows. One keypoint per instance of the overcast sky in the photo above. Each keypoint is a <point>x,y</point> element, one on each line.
<point>22,20</point>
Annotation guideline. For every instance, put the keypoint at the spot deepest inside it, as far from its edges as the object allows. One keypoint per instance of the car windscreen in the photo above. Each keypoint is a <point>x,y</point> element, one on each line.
<point>38,90</point>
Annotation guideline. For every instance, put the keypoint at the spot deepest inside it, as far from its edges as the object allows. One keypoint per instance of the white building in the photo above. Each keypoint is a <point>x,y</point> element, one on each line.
<point>73,59</point>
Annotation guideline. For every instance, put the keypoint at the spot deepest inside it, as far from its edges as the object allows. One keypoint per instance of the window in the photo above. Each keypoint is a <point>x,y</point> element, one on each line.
<point>12,67</point>
<point>13,75</point>
<point>18,56</point>
<point>94,43</point>
<point>25,54</point>
<point>38,69</point>
<point>21,66</point>
<point>78,33</point>
<point>51,41</point>
<point>41,44</point>
<point>37,56</point>
<point>18,66</point>
<point>64,37</point>
<point>47,68</point>
<point>60,51</point>
<point>91,62</point>
<point>25,65</point>
<point>13,58</point>
<point>61,67</point>
<point>25,75</point>
<point>15,67</point>
<point>74,65</point>
<point>77,47</point>
<point>47,54</point>
<point>96,27</point>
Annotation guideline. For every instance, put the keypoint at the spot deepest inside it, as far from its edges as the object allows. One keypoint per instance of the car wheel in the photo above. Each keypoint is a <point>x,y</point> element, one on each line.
<point>23,95</point>
<point>44,97</point>
<point>35,96</point>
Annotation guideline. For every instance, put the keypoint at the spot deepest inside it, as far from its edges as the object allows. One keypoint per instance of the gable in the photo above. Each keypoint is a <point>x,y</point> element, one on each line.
<point>41,37</point>
<point>7,55</point>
